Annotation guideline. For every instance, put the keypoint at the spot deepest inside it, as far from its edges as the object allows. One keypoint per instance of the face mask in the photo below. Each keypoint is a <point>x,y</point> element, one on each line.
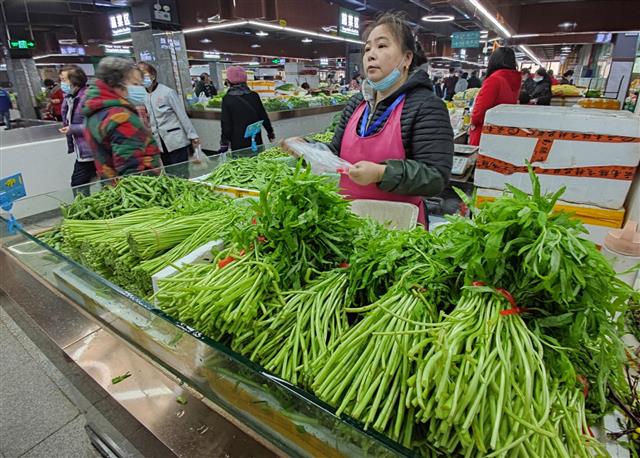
<point>136,94</point>
<point>388,81</point>
<point>147,82</point>
<point>66,88</point>
<point>537,79</point>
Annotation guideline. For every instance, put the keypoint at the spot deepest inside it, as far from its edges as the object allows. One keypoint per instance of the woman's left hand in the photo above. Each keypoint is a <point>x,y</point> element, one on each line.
<point>365,172</point>
<point>195,142</point>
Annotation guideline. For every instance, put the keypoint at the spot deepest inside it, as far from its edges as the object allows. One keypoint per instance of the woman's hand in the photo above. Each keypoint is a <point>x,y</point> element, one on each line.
<point>365,172</point>
<point>195,142</point>
<point>64,130</point>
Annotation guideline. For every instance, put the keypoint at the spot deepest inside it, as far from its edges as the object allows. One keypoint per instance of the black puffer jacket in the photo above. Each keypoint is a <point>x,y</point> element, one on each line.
<point>427,137</point>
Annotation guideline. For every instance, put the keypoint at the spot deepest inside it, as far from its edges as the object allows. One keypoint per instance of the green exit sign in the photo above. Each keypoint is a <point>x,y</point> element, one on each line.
<point>22,44</point>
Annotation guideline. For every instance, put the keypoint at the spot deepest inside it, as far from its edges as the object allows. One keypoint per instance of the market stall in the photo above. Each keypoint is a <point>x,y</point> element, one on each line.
<point>296,326</point>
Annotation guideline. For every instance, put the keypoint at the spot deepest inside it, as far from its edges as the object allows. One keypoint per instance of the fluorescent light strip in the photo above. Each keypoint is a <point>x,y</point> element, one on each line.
<point>531,55</point>
<point>253,55</point>
<point>119,42</point>
<point>491,17</point>
<point>303,31</point>
<point>44,56</point>
<point>459,60</point>
<point>224,25</point>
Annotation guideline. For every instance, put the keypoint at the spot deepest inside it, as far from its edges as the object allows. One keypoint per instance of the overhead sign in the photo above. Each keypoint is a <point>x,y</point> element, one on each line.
<point>120,24</point>
<point>465,39</point>
<point>22,44</point>
<point>324,61</point>
<point>349,23</point>
<point>117,50</point>
<point>279,61</point>
<point>72,50</point>
<point>210,55</point>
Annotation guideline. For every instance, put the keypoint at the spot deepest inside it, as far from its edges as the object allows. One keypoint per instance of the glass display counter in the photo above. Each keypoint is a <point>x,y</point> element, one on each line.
<point>294,421</point>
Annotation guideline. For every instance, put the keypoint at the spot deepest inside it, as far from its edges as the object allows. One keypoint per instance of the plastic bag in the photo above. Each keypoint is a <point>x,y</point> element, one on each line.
<point>198,156</point>
<point>318,156</point>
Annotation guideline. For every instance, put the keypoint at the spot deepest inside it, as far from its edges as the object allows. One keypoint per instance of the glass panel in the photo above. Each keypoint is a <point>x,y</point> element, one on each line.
<point>294,420</point>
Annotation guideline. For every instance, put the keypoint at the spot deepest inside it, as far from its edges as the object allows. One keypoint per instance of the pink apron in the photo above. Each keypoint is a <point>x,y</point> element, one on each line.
<point>384,145</point>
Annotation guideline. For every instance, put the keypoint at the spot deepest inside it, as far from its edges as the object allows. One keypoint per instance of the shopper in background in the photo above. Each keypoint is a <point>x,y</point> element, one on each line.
<point>462,83</point>
<point>241,107</point>
<point>73,82</point>
<point>438,86</point>
<point>552,78</point>
<point>5,108</point>
<point>397,132</point>
<point>527,82</point>
<point>354,85</point>
<point>206,86</point>
<point>474,81</point>
<point>501,86</point>
<point>566,77</point>
<point>56,96</point>
<point>172,129</point>
<point>450,84</point>
<point>120,142</point>
<point>540,94</point>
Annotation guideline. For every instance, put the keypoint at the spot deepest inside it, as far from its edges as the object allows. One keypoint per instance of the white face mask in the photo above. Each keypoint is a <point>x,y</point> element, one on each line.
<point>537,79</point>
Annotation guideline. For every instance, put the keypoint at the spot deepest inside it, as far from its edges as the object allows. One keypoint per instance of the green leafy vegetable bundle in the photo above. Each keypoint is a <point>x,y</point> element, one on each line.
<point>249,172</point>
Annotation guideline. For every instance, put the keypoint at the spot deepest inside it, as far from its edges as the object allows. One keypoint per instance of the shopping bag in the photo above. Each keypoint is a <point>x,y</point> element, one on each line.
<point>318,156</point>
<point>198,156</point>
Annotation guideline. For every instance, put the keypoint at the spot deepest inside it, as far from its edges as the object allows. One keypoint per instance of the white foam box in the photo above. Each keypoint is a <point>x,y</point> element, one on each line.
<point>594,153</point>
<point>598,221</point>
<point>201,254</point>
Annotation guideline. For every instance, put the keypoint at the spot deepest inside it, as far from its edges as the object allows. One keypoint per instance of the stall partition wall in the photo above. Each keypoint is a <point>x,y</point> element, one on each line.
<point>40,154</point>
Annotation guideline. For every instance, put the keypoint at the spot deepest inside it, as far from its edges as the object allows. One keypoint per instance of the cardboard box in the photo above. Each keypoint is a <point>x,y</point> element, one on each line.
<point>594,153</point>
<point>598,221</point>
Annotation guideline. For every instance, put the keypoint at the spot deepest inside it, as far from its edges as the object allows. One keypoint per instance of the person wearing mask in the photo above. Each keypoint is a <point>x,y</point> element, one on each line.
<point>566,77</point>
<point>241,107</point>
<point>73,82</point>
<point>474,81</point>
<point>120,142</point>
<point>172,129</point>
<point>396,132</point>
<point>527,82</point>
<point>462,83</point>
<point>450,85</point>
<point>501,85</point>
<point>438,86</point>
<point>56,96</point>
<point>540,93</point>
<point>206,86</point>
<point>5,108</point>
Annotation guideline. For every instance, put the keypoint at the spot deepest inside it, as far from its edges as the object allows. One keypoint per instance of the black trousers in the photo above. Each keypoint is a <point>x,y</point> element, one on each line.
<point>83,173</point>
<point>176,162</point>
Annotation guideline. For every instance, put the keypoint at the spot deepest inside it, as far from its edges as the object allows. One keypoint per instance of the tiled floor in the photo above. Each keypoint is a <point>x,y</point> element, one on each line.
<point>38,415</point>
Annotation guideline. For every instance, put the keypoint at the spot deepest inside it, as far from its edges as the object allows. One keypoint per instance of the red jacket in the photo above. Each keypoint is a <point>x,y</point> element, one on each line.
<point>502,86</point>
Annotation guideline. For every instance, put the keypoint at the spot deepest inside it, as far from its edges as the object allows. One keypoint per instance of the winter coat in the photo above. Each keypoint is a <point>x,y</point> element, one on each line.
<point>542,92</point>
<point>241,107</point>
<point>5,101</point>
<point>528,85</point>
<point>168,118</point>
<point>474,82</point>
<point>76,143</point>
<point>502,86</point>
<point>121,143</point>
<point>427,138</point>
<point>209,89</point>
<point>56,97</point>
<point>450,86</point>
<point>462,85</point>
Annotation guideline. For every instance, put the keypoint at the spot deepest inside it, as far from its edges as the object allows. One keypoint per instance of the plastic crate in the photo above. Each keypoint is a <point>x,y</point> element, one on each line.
<point>201,254</point>
<point>393,215</point>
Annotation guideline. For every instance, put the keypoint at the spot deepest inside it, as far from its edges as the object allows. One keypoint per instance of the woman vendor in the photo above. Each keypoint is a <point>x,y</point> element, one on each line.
<point>396,132</point>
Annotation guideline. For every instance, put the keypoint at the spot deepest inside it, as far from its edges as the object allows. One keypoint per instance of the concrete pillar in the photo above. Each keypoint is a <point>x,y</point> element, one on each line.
<point>622,60</point>
<point>215,73</point>
<point>25,82</point>
<point>167,51</point>
<point>353,61</point>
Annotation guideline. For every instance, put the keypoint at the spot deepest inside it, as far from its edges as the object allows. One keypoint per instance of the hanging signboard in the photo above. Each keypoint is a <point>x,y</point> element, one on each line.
<point>465,39</point>
<point>348,23</point>
<point>120,24</point>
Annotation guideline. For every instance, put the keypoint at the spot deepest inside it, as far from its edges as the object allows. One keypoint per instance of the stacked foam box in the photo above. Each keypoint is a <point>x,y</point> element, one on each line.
<point>593,153</point>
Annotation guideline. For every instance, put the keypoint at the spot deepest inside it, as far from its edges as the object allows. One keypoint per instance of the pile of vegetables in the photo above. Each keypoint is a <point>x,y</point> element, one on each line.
<point>492,336</point>
<point>565,90</point>
<point>466,95</point>
<point>275,104</point>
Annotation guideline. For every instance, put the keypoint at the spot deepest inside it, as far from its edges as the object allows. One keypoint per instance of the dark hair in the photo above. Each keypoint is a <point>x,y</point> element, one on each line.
<point>145,67</point>
<point>542,72</point>
<point>435,79</point>
<point>465,75</point>
<point>403,33</point>
<point>502,58</point>
<point>203,75</point>
<point>77,77</point>
<point>474,73</point>
<point>113,71</point>
<point>526,71</point>
<point>49,83</point>
<point>568,73</point>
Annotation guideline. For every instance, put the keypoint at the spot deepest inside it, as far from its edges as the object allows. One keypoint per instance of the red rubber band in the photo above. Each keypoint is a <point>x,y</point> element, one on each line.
<point>225,262</point>
<point>585,385</point>
<point>508,296</point>
<point>344,265</point>
<point>478,283</point>
<point>261,239</point>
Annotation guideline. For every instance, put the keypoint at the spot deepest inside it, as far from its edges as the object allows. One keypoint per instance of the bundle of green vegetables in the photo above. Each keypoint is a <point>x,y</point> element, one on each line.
<point>275,104</point>
<point>249,172</point>
<point>275,152</point>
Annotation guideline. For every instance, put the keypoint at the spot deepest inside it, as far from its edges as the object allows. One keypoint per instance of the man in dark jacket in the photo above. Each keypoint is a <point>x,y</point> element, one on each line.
<point>450,84</point>
<point>240,108</point>
<point>474,81</point>
<point>206,86</point>
<point>427,138</point>
<point>541,92</point>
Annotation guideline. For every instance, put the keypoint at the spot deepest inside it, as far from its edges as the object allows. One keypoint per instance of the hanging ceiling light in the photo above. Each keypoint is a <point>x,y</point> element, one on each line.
<point>205,40</point>
<point>262,33</point>
<point>306,40</point>
<point>438,18</point>
<point>256,45</point>
<point>491,17</point>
